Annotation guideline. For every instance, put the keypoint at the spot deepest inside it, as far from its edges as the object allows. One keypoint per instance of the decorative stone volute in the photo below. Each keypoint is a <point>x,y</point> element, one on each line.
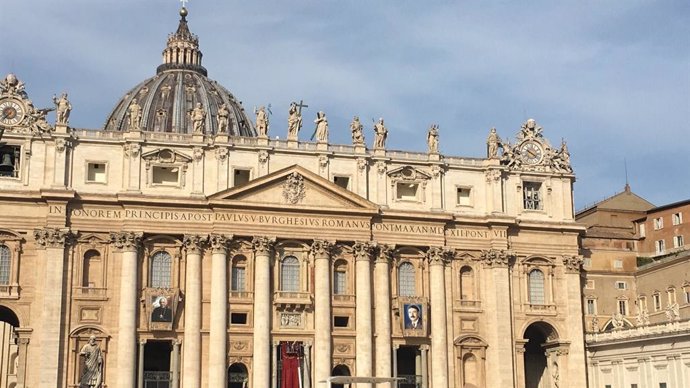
<point>438,255</point>
<point>219,242</point>
<point>497,258</point>
<point>362,251</point>
<point>572,263</point>
<point>263,245</point>
<point>194,243</point>
<point>126,241</point>
<point>53,237</point>
<point>384,253</point>
<point>321,249</point>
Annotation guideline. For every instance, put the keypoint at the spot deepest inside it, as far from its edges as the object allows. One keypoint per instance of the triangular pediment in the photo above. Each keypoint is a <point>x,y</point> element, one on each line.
<point>294,187</point>
<point>166,155</point>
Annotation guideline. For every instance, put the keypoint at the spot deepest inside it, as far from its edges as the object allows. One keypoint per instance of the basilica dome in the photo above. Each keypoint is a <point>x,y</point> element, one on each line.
<point>180,98</point>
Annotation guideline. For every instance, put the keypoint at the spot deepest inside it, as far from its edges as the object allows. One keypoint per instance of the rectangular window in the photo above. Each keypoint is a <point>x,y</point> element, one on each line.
<point>677,218</point>
<point>660,246</point>
<point>657,302</point>
<point>165,175</point>
<point>339,284</point>
<point>686,291</point>
<point>464,198</point>
<point>618,263</point>
<point>662,385</point>
<point>238,318</point>
<point>658,223</point>
<point>621,285</point>
<point>671,294</point>
<point>238,279</point>
<point>623,307</point>
<point>96,172</point>
<point>642,230</point>
<point>591,307</point>
<point>342,181</point>
<point>9,161</point>
<point>642,302</point>
<point>407,191</point>
<point>633,385</point>
<point>341,321</point>
<point>678,241</point>
<point>531,196</point>
<point>241,176</point>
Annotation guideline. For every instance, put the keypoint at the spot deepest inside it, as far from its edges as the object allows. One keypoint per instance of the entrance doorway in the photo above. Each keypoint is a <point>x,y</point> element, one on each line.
<point>238,376</point>
<point>409,361</point>
<point>340,370</point>
<point>537,373</point>
<point>8,348</point>
<point>157,364</point>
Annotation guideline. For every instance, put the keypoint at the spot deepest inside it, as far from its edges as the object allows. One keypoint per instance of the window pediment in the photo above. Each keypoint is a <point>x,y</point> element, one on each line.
<point>408,174</point>
<point>166,156</point>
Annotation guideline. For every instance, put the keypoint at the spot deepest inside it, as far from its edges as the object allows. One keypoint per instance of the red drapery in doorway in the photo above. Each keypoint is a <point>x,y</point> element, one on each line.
<point>290,353</point>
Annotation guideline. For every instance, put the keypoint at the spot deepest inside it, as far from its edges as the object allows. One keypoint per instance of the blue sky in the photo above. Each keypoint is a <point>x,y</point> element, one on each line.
<point>611,77</point>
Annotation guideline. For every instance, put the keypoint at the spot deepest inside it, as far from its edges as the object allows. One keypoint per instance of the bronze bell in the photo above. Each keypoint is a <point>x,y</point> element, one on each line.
<point>6,164</point>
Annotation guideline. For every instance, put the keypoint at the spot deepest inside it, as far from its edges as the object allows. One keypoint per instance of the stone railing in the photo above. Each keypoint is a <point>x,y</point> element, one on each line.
<point>243,295</point>
<point>343,299</point>
<point>9,291</point>
<point>640,332</point>
<point>90,292</point>
<point>292,298</point>
<point>409,381</point>
<point>540,308</point>
<point>465,304</point>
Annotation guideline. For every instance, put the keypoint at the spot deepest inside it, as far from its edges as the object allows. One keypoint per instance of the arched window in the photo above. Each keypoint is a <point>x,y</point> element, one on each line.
<point>467,283</point>
<point>289,274</point>
<point>161,270</point>
<point>469,371</point>
<point>5,263</point>
<point>406,280</point>
<point>91,269</point>
<point>340,277</point>
<point>239,274</point>
<point>536,287</point>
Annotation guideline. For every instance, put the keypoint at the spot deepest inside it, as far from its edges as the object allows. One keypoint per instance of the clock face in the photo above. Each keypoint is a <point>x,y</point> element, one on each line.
<point>531,153</point>
<point>11,112</point>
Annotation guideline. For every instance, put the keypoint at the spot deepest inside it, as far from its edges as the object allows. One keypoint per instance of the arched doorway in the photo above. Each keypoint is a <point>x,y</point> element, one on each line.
<point>340,370</point>
<point>238,376</point>
<point>9,352</point>
<point>538,372</point>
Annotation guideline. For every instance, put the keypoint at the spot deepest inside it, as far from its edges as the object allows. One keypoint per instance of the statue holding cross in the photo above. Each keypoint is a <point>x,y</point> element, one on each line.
<point>295,119</point>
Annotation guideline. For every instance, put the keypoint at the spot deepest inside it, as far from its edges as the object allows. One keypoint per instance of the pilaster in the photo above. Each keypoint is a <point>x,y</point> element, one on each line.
<point>321,252</point>
<point>437,258</point>
<point>263,248</point>
<point>128,244</point>
<point>382,318</point>
<point>218,335</point>
<point>54,241</point>
<point>362,252</point>
<point>191,359</point>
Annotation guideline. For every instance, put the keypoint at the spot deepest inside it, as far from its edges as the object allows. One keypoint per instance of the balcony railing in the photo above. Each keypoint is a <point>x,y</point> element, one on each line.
<point>541,308</point>
<point>292,298</point>
<point>409,381</point>
<point>157,379</point>
<point>343,299</point>
<point>10,291</point>
<point>244,295</point>
<point>90,292</point>
<point>465,304</point>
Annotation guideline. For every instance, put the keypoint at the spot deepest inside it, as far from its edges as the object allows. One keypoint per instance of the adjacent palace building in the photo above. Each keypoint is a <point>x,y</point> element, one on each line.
<point>181,246</point>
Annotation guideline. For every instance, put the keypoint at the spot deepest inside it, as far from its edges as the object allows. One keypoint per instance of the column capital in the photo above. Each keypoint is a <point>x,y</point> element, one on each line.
<point>438,255</point>
<point>363,250</point>
<point>219,242</point>
<point>263,245</point>
<point>194,243</point>
<point>384,253</point>
<point>53,237</point>
<point>126,241</point>
<point>572,263</point>
<point>321,249</point>
<point>497,258</point>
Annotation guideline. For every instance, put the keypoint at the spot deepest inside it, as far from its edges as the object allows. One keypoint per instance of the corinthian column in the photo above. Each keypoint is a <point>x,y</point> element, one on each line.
<point>382,319</point>
<point>263,246</point>
<point>321,251</point>
<point>499,355</point>
<point>364,348</point>
<point>218,336</point>
<point>439,337</point>
<point>53,241</point>
<point>128,243</point>
<point>191,366</point>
